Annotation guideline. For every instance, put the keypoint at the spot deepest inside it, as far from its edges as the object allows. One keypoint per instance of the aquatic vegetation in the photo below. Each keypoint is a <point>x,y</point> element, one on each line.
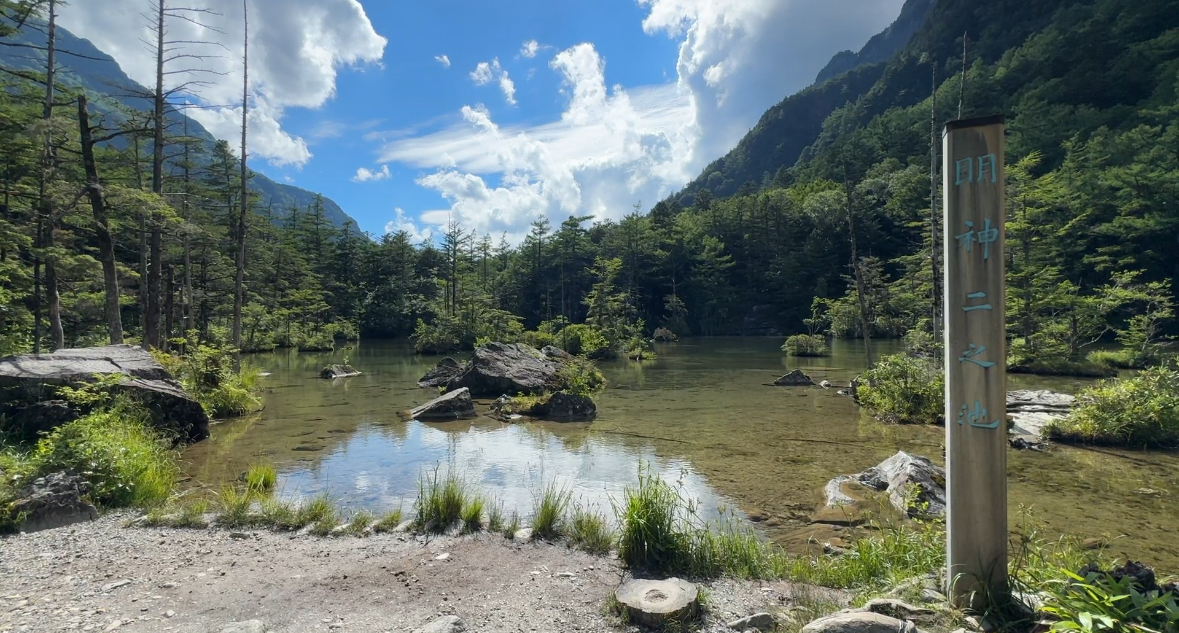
<point>903,389</point>
<point>495,516</point>
<point>548,511</point>
<point>1101,601</point>
<point>1138,412</point>
<point>261,478</point>
<point>805,345</point>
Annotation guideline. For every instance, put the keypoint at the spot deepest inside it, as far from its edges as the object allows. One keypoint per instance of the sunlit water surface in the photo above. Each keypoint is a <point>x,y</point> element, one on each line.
<point>702,415</point>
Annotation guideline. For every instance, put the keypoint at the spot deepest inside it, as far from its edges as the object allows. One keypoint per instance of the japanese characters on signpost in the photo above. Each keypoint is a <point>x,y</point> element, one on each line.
<point>976,360</point>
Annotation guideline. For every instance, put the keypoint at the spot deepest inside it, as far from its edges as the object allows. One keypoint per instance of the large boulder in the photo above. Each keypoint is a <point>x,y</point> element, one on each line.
<point>512,368</point>
<point>794,379</point>
<point>32,420</point>
<point>451,406</point>
<point>1029,411</point>
<point>53,501</point>
<point>894,477</point>
<point>447,369</point>
<point>563,407</point>
<point>28,380</point>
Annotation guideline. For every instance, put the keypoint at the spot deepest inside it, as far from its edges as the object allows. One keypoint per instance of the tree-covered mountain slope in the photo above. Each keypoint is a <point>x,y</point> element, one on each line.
<point>112,92</point>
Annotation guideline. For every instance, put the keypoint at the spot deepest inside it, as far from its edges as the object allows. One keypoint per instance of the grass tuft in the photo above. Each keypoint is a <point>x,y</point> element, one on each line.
<point>441,499</point>
<point>360,523</point>
<point>388,522</point>
<point>512,526</point>
<point>234,508</point>
<point>495,516</point>
<point>588,530</point>
<point>548,511</point>
<point>1137,412</point>
<point>473,515</point>
<point>261,478</point>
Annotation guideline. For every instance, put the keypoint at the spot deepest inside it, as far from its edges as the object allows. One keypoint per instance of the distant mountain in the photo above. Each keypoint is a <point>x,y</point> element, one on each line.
<point>884,44</point>
<point>82,65</point>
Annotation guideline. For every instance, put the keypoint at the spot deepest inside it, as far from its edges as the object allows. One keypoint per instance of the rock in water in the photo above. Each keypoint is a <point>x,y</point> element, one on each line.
<point>447,369</point>
<point>794,379</point>
<point>897,473</point>
<point>656,603</point>
<point>1030,411</point>
<point>563,407</point>
<point>499,368</point>
<point>25,380</point>
<point>338,371</point>
<point>444,624</point>
<point>53,501</point>
<point>452,406</point>
<point>859,622</point>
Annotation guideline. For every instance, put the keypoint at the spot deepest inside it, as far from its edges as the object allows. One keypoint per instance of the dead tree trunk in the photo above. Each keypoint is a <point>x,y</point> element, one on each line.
<point>106,245</point>
<point>240,277</point>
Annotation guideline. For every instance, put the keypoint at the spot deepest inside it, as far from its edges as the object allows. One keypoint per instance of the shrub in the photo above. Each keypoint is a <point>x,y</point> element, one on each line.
<point>321,341</point>
<point>903,389</point>
<point>1142,411</point>
<point>548,511</point>
<point>1119,359</point>
<point>805,345</point>
<point>342,331</point>
<point>1099,601</point>
<point>664,335</point>
<point>582,340</point>
<point>580,377</point>
<point>124,462</point>
<point>207,374</point>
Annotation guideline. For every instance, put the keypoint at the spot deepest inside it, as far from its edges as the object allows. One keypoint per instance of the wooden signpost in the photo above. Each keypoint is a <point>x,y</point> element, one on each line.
<point>975,360</point>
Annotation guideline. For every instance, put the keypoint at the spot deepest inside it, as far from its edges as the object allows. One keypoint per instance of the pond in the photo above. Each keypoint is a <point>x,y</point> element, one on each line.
<point>703,415</point>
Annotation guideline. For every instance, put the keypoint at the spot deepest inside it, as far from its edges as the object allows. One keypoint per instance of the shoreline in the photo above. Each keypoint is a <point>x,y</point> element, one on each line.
<point>89,576</point>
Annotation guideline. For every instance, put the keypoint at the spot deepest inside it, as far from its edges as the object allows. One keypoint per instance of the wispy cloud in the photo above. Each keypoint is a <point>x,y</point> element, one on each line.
<point>486,72</point>
<point>442,59</point>
<point>364,174</point>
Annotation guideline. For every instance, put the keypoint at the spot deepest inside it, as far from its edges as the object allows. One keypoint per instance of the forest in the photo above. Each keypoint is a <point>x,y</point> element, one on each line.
<point>128,229</point>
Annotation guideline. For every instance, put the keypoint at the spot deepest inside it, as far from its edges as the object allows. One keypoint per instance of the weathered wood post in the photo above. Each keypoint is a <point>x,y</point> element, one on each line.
<point>975,360</point>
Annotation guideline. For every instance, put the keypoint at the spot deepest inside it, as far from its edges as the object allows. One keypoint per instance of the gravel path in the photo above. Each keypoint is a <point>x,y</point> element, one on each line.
<point>101,576</point>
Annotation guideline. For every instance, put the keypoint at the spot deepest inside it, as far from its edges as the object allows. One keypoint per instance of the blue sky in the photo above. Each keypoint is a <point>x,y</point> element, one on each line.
<point>616,102</point>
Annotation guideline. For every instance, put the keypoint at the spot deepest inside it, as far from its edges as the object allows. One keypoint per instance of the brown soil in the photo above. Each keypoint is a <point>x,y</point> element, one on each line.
<point>91,576</point>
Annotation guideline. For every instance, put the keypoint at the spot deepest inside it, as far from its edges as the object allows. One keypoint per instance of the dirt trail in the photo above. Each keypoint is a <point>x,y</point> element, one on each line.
<point>101,576</point>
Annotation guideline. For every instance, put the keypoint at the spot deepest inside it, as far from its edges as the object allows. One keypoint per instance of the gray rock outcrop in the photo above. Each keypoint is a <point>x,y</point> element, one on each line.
<point>499,368</point>
<point>563,407</point>
<point>338,371</point>
<point>447,369</point>
<point>53,501</point>
<point>29,380</point>
<point>894,476</point>
<point>860,622</point>
<point>1029,411</point>
<point>451,406</point>
<point>794,379</point>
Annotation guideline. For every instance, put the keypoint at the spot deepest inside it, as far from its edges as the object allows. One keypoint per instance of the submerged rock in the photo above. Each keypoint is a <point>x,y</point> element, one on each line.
<point>452,406</point>
<point>498,368</point>
<point>53,501</point>
<point>794,379</point>
<point>1029,411</point>
<point>27,380</point>
<point>563,407</point>
<point>894,477</point>
<point>657,603</point>
<point>338,371</point>
<point>446,370</point>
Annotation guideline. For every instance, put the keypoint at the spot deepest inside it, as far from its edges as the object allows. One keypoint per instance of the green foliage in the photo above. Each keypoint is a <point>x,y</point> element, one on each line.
<point>472,515</point>
<point>495,516</point>
<point>903,389</point>
<point>342,331</point>
<point>1137,412</point>
<point>122,460</point>
<point>589,531</point>
<point>805,345</point>
<point>441,499</point>
<point>208,374</point>
<point>261,478</point>
<point>580,377</point>
<point>652,534</point>
<point>388,521</point>
<point>1100,602</point>
<point>548,511</point>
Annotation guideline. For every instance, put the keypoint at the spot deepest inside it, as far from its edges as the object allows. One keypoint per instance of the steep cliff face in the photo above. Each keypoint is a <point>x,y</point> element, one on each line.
<point>884,44</point>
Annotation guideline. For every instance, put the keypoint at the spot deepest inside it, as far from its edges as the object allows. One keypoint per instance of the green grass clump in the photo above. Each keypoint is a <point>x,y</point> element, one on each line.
<point>1099,602</point>
<point>441,499</point>
<point>652,536</point>
<point>512,526</point>
<point>319,509</point>
<point>388,521</point>
<point>472,515</point>
<point>903,389</point>
<point>261,478</point>
<point>234,508</point>
<point>279,515</point>
<point>1119,359</point>
<point>588,530</point>
<point>360,523</point>
<point>548,511</point>
<point>495,516</point>
<point>805,345</point>
<point>124,462</point>
<point>1137,412</point>
<point>186,514</point>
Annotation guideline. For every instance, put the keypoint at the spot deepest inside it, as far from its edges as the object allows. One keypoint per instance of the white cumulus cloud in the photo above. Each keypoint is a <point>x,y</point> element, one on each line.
<point>530,48</point>
<point>442,59</point>
<point>296,50</point>
<point>486,72</point>
<point>402,223</point>
<point>365,174</point>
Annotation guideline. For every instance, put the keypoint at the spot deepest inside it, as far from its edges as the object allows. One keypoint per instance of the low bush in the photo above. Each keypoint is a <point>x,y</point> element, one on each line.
<point>903,389</point>
<point>342,331</point>
<point>580,377</point>
<point>805,345</point>
<point>1119,359</point>
<point>1101,601</point>
<point>664,335</point>
<point>207,374</point>
<point>1139,412</point>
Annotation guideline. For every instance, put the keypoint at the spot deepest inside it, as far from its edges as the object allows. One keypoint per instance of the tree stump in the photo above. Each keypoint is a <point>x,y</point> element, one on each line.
<point>656,603</point>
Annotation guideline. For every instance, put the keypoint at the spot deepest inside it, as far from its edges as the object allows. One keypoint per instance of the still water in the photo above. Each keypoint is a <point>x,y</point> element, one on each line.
<point>703,416</point>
